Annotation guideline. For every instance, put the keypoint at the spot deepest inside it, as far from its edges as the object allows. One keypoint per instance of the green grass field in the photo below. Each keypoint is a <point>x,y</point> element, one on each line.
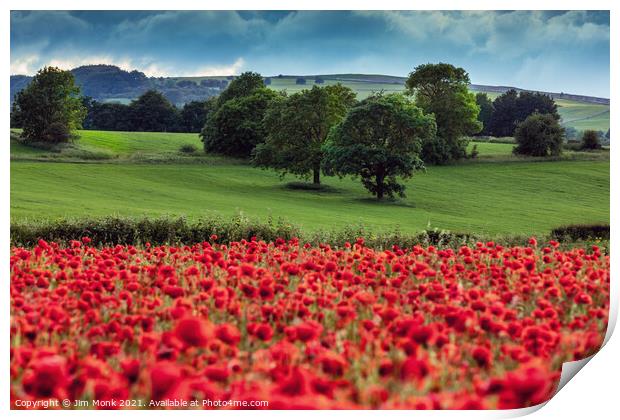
<point>497,195</point>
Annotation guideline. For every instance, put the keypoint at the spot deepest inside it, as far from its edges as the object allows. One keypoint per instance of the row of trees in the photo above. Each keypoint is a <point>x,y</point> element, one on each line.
<point>50,107</point>
<point>323,130</point>
<point>501,117</point>
<point>326,130</point>
<point>149,112</point>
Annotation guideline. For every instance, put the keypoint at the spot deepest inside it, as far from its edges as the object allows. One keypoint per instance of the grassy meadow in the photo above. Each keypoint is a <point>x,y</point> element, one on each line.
<point>144,174</point>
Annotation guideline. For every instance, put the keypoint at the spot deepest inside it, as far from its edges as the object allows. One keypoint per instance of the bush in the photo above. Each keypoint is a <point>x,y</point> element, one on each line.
<point>581,232</point>
<point>188,148</point>
<point>539,135</point>
<point>157,231</point>
<point>126,231</point>
<point>590,140</point>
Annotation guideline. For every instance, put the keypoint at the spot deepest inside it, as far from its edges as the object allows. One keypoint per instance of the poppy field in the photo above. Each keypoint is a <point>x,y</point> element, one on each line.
<point>301,326</point>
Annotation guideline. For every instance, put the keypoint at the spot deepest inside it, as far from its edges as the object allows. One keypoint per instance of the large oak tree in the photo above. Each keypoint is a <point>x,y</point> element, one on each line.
<point>380,141</point>
<point>297,127</point>
<point>443,90</point>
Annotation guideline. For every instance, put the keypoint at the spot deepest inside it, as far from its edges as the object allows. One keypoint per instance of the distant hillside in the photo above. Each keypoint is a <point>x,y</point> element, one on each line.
<point>111,84</point>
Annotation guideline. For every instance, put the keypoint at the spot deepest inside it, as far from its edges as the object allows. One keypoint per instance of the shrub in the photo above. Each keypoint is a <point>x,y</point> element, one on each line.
<point>590,140</point>
<point>188,148</point>
<point>581,232</point>
<point>539,135</point>
<point>163,230</point>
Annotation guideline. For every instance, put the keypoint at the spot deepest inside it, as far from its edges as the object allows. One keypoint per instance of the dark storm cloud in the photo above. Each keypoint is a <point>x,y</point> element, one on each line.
<point>567,51</point>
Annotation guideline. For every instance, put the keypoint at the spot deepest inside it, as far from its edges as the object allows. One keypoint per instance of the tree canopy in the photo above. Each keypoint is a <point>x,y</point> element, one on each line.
<point>539,135</point>
<point>236,126</point>
<point>511,108</point>
<point>443,90</point>
<point>297,127</point>
<point>194,114</point>
<point>244,85</point>
<point>153,112</point>
<point>379,140</point>
<point>49,108</point>
<point>591,140</point>
<point>486,111</point>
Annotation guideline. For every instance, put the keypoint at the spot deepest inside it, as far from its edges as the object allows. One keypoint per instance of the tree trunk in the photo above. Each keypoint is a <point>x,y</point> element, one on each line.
<point>380,189</point>
<point>316,172</point>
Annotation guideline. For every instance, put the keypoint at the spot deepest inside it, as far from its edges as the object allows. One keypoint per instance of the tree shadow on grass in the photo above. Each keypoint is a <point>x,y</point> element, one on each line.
<point>396,202</point>
<point>310,187</point>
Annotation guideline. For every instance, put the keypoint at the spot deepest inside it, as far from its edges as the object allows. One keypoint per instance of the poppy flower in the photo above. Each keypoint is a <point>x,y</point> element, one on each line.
<point>193,331</point>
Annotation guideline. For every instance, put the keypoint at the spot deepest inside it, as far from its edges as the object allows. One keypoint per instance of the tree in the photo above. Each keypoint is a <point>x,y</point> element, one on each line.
<point>590,140</point>
<point>300,81</point>
<point>244,85</point>
<point>297,127</point>
<point>442,89</point>
<point>511,108</point>
<point>16,117</point>
<point>49,108</point>
<point>236,127</point>
<point>504,119</point>
<point>486,111</point>
<point>539,135</point>
<point>379,140</point>
<point>153,112</point>
<point>194,114</point>
<point>112,116</point>
<point>530,102</point>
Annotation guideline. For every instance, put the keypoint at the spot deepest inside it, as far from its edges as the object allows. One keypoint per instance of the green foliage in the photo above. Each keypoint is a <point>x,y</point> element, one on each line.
<point>511,108</point>
<point>194,115</point>
<point>110,117</point>
<point>581,232</point>
<point>590,140</point>
<point>442,89</point>
<point>236,127</point>
<point>49,109</point>
<point>486,111</point>
<point>297,127</point>
<point>244,85</point>
<point>379,140</point>
<point>163,230</point>
<point>153,112</point>
<point>539,135</point>
<point>112,231</point>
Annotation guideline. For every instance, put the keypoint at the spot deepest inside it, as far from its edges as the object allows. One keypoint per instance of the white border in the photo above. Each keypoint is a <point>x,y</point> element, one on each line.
<point>592,395</point>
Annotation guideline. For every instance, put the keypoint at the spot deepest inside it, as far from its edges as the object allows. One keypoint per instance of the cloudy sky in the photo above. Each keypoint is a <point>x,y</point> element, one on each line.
<point>552,51</point>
